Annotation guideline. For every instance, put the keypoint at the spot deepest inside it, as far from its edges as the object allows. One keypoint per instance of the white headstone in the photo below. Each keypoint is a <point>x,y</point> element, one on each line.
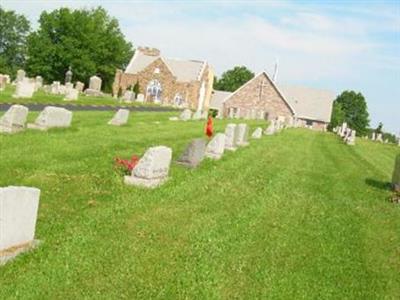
<point>379,138</point>
<point>52,117</point>
<point>185,115</point>
<point>14,119</point>
<point>71,94</point>
<point>373,136</point>
<point>257,133</point>
<point>230,137</point>
<point>94,87</point>
<point>20,75</point>
<point>152,169</point>
<point>242,135</point>
<point>120,118</point>
<point>270,130</point>
<point>215,148</point>
<point>18,215</point>
<point>55,88</point>
<point>351,139</point>
<point>129,96</point>
<point>140,98</point>
<point>38,82</point>
<point>79,86</point>
<point>24,88</point>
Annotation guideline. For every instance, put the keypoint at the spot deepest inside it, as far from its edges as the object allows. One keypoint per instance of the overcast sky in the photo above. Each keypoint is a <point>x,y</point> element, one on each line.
<point>334,45</point>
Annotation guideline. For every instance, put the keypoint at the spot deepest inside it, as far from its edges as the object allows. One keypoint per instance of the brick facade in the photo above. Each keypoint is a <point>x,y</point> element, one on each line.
<point>260,95</point>
<point>159,70</point>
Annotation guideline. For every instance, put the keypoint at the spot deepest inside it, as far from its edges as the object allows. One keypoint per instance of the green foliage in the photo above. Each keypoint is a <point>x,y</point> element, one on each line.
<point>354,108</point>
<point>233,79</point>
<point>89,41</point>
<point>337,116</point>
<point>14,29</point>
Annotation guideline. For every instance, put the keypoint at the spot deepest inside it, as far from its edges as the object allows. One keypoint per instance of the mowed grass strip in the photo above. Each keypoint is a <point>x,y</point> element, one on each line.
<point>295,215</point>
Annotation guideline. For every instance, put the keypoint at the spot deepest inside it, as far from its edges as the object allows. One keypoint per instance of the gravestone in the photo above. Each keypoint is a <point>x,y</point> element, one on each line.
<point>173,118</point>
<point>20,75</point>
<point>215,148</point>
<point>79,86</point>
<point>18,215</point>
<point>140,98</point>
<point>270,129</point>
<point>52,117</point>
<point>373,136</point>
<point>379,138</point>
<point>55,88</point>
<point>230,137</point>
<point>152,169</point>
<point>193,154</point>
<point>3,82</point>
<point>8,79</point>
<point>120,118</point>
<point>257,133</point>
<point>198,115</point>
<point>14,119</point>
<point>129,96</point>
<point>396,174</point>
<point>69,86</point>
<point>71,94</point>
<point>38,82</point>
<point>351,138</point>
<point>185,115</point>
<point>242,135</point>
<point>94,87</point>
<point>24,88</point>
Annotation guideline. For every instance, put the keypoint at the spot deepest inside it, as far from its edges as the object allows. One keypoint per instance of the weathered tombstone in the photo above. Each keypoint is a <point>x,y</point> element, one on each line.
<point>257,133</point>
<point>270,130</point>
<point>351,139</point>
<point>94,87</point>
<point>20,75</point>
<point>379,138</point>
<point>193,154</point>
<point>242,135</point>
<point>38,82</point>
<point>129,96</point>
<point>215,148</point>
<point>230,137</point>
<point>52,117</point>
<point>69,86</point>
<point>120,118</point>
<point>185,115</point>
<point>79,86</point>
<point>152,169</point>
<point>343,129</point>
<point>18,215</point>
<point>373,136</point>
<point>55,88</point>
<point>396,174</point>
<point>71,94</point>
<point>14,119</point>
<point>140,98</point>
<point>24,89</point>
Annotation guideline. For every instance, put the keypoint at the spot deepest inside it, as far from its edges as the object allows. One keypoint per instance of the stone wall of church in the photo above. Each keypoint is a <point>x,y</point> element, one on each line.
<point>170,86</point>
<point>260,95</point>
<point>315,125</point>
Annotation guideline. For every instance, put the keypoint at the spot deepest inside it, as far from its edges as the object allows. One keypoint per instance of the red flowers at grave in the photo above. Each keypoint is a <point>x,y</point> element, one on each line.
<point>209,127</point>
<point>126,164</point>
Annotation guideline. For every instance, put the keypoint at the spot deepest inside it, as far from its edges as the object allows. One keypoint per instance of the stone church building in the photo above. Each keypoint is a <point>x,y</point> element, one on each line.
<point>167,81</point>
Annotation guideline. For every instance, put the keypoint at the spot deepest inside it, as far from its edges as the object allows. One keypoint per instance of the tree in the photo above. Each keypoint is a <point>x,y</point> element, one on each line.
<point>14,29</point>
<point>89,41</point>
<point>232,79</point>
<point>337,116</point>
<point>355,111</point>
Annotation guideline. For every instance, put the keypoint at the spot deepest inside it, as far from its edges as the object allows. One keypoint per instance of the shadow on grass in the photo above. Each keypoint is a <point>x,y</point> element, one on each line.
<point>382,185</point>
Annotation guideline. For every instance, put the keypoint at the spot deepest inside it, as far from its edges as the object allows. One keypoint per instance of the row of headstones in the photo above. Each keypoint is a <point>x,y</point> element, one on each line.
<point>187,115</point>
<point>346,133</point>
<point>25,87</point>
<point>14,119</point>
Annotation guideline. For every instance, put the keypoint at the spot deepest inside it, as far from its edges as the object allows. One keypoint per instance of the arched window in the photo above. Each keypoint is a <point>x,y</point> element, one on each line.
<point>178,100</point>
<point>154,89</point>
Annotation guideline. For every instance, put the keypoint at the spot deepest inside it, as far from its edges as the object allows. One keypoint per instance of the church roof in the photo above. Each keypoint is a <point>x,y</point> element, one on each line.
<point>183,70</point>
<point>218,98</point>
<point>310,103</point>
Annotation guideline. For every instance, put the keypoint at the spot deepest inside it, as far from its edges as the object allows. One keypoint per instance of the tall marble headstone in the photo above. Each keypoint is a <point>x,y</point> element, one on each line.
<point>193,154</point>
<point>24,88</point>
<point>230,137</point>
<point>215,148</point>
<point>242,135</point>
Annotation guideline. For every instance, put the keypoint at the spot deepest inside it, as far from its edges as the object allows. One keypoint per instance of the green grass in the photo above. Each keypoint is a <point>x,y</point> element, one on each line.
<point>298,215</point>
<point>43,98</point>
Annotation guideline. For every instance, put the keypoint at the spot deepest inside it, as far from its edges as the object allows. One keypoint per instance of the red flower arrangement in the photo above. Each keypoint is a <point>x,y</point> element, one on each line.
<point>127,164</point>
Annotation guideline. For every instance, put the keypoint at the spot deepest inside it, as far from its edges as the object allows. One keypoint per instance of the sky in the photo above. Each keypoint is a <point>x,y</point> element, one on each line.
<point>334,45</point>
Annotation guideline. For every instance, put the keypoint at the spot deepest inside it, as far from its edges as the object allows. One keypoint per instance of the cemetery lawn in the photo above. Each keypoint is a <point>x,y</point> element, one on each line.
<point>295,215</point>
<point>41,97</point>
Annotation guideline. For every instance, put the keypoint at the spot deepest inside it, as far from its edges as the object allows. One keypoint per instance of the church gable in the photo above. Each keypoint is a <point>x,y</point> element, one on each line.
<point>259,95</point>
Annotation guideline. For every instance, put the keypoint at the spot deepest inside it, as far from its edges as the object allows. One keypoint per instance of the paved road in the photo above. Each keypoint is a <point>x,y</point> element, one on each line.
<point>39,107</point>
